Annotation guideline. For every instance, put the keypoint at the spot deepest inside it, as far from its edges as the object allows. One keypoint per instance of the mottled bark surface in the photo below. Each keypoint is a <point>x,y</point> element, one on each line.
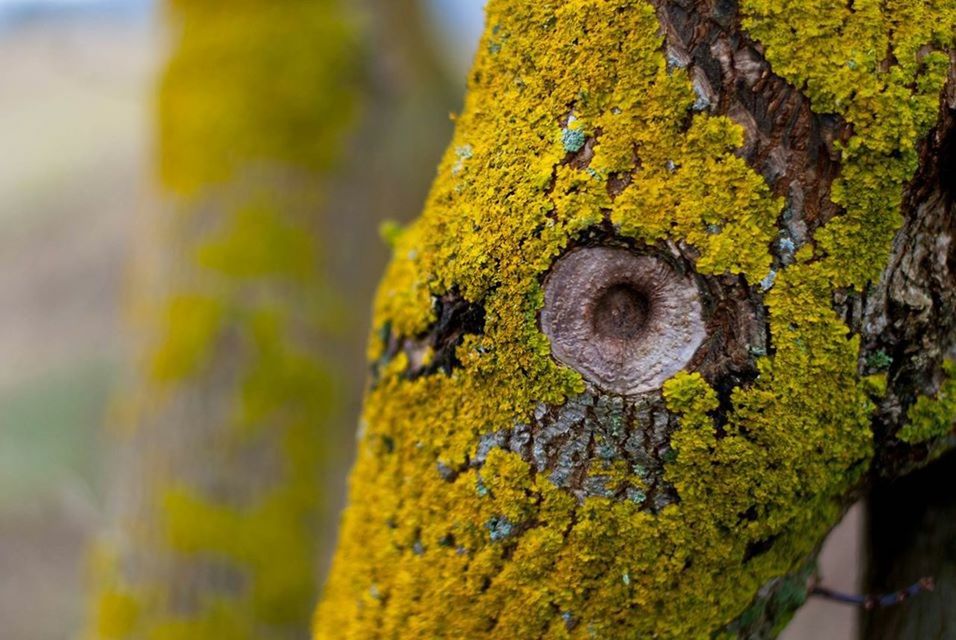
<point>910,316</point>
<point>766,148</point>
<point>912,523</point>
<point>907,318</point>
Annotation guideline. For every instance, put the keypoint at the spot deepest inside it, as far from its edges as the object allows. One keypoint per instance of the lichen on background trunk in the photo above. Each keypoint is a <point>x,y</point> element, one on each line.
<point>764,148</point>
<point>224,425</point>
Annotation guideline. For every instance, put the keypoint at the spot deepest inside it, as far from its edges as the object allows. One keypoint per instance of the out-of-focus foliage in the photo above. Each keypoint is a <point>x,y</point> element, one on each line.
<point>240,232</point>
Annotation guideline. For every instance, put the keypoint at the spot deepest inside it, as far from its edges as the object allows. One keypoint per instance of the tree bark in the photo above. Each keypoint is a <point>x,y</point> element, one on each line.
<point>911,522</point>
<point>220,513</point>
<point>274,119</point>
<point>530,465</point>
<point>214,523</point>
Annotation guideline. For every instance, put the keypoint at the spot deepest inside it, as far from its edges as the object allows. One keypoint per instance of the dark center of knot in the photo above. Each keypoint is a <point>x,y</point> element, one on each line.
<point>620,312</point>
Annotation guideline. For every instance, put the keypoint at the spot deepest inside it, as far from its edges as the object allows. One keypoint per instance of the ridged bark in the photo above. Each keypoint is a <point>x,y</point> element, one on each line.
<point>778,155</point>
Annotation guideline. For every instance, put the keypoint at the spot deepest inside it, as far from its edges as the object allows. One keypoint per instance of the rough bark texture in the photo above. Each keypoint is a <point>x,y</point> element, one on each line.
<point>380,183</point>
<point>908,320</point>
<point>912,522</point>
<point>765,148</point>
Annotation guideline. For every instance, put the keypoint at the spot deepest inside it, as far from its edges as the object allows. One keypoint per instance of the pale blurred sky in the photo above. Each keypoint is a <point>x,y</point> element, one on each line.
<point>15,13</point>
<point>460,21</point>
<point>464,17</point>
<point>459,25</point>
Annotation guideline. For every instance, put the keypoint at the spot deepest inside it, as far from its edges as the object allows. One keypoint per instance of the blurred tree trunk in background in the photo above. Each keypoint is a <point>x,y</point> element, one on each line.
<point>245,297</point>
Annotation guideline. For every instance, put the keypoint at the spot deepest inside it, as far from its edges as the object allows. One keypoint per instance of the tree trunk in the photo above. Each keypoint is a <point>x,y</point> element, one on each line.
<point>912,522</point>
<point>682,287</point>
<point>215,518</point>
<point>241,410</point>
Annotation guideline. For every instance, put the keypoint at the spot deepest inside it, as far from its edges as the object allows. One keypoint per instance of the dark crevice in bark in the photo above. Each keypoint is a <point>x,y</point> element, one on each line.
<point>724,386</point>
<point>456,318</point>
<point>758,548</point>
<point>792,147</point>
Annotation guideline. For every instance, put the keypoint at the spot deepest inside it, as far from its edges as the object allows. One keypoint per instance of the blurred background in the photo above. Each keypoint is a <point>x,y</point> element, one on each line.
<point>78,82</point>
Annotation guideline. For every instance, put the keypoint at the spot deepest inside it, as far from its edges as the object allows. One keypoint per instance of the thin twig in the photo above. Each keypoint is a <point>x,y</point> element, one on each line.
<point>874,601</point>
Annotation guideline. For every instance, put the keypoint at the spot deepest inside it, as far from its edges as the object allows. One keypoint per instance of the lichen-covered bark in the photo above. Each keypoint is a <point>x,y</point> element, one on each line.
<point>912,523</point>
<point>765,149</point>
<point>222,432</point>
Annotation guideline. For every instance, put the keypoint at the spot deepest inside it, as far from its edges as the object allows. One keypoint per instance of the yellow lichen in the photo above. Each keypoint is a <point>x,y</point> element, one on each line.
<point>234,399</point>
<point>932,417</point>
<point>500,551</point>
<point>879,65</point>
<point>698,191</point>
<point>116,614</point>
<point>259,242</point>
<point>190,323</point>
<point>249,92</point>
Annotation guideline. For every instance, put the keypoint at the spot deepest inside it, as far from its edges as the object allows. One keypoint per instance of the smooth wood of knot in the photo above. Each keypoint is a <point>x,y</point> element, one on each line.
<point>626,321</point>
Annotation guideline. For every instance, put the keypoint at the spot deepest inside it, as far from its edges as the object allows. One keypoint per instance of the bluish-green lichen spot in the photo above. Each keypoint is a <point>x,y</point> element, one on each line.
<point>573,140</point>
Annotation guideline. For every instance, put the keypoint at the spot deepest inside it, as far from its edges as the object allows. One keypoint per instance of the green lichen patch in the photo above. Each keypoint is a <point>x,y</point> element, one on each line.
<point>932,417</point>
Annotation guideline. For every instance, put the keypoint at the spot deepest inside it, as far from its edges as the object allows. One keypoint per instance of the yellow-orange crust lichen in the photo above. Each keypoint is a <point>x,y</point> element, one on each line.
<point>500,551</point>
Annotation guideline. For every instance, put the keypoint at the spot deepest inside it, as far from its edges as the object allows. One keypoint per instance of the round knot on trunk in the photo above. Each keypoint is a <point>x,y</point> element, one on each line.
<point>620,312</point>
<point>626,321</point>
